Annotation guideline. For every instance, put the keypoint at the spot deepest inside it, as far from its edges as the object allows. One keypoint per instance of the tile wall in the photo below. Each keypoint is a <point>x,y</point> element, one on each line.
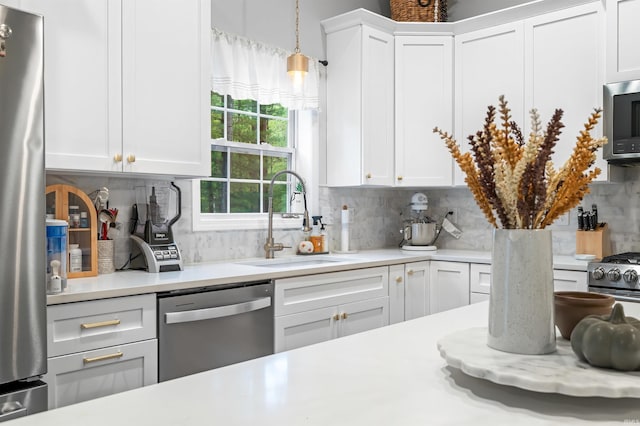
<point>378,218</point>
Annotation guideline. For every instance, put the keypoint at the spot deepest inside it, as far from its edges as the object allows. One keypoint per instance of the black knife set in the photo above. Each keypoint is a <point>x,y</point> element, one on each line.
<point>588,221</point>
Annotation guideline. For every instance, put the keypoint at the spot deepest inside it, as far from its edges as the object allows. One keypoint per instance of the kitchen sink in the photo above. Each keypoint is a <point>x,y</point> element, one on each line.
<point>296,261</point>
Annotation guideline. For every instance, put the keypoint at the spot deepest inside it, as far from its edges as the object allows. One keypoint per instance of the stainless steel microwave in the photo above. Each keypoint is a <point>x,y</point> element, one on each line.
<point>622,122</point>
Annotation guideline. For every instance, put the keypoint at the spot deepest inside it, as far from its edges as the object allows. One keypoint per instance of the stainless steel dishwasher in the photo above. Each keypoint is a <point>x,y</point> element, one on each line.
<point>205,328</point>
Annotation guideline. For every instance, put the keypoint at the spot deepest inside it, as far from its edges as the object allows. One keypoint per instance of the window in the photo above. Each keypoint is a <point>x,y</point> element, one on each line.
<point>250,142</point>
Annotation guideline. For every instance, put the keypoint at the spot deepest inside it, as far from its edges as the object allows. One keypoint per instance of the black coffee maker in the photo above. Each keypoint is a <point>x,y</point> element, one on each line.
<point>154,248</point>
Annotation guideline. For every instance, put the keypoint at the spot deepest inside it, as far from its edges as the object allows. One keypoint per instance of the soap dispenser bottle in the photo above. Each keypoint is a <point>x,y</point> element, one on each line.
<point>315,237</point>
<point>324,237</point>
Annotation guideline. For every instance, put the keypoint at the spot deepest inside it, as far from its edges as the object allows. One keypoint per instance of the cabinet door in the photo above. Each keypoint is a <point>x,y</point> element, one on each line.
<point>564,280</point>
<point>87,375</point>
<point>417,295</point>
<point>305,293</point>
<point>305,328</point>
<point>361,316</point>
<point>623,33</point>
<point>424,100</point>
<point>165,72</point>
<point>360,107</point>
<point>396,293</point>
<point>480,278</point>
<point>449,285</point>
<point>564,68</point>
<point>82,79</point>
<point>481,76</point>
<point>478,297</point>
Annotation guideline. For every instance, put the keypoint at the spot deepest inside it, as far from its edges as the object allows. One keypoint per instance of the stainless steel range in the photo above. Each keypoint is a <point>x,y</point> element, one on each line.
<point>616,275</point>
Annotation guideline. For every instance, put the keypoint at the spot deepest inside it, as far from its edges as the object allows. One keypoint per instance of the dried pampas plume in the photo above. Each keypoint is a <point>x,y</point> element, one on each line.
<point>513,180</point>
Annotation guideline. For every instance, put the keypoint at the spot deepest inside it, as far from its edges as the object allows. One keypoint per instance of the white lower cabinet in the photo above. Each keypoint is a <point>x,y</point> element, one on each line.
<point>449,285</point>
<point>563,280</point>
<point>316,308</point>
<point>408,291</point>
<point>100,347</point>
<point>87,375</point>
<point>479,282</point>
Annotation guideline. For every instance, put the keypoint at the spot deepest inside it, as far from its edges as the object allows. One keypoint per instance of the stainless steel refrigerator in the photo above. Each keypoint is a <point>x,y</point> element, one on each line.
<point>23,345</point>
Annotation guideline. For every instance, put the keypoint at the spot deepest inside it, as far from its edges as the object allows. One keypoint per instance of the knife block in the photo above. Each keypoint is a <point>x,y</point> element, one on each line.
<point>594,242</point>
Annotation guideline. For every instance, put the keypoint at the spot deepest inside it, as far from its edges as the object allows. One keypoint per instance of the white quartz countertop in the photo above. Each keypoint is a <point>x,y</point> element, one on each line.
<point>127,283</point>
<point>388,376</point>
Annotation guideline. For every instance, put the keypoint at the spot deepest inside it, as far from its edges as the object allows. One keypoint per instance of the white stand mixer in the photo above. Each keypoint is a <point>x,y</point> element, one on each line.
<point>420,232</point>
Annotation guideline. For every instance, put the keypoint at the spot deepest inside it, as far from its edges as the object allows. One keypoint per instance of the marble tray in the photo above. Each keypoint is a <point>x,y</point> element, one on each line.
<point>560,372</point>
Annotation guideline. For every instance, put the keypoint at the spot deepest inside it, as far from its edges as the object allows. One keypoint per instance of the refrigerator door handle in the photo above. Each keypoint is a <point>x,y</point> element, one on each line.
<point>12,410</point>
<point>218,312</point>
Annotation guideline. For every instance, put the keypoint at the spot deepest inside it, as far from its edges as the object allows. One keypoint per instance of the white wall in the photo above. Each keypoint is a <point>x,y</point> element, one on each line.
<point>462,9</point>
<point>273,21</point>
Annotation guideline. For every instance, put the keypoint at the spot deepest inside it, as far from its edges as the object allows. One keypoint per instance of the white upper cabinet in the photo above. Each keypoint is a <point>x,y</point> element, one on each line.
<point>126,85</point>
<point>166,90</point>
<point>623,33</point>
<point>82,82</point>
<point>482,75</point>
<point>424,100</point>
<point>564,68</point>
<point>360,107</point>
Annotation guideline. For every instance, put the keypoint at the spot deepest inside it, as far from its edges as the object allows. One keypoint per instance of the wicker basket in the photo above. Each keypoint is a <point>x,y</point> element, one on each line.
<point>419,10</point>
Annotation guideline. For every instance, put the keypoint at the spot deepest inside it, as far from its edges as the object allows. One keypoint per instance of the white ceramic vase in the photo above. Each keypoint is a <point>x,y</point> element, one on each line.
<point>521,300</point>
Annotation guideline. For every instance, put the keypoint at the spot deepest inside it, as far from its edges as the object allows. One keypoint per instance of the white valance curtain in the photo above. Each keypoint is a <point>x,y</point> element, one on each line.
<point>246,69</point>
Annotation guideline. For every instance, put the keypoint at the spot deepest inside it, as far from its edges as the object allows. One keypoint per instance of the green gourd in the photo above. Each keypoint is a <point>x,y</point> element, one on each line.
<point>609,341</point>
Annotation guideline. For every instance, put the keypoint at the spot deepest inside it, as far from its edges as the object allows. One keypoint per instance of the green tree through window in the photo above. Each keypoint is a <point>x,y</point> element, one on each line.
<point>250,142</point>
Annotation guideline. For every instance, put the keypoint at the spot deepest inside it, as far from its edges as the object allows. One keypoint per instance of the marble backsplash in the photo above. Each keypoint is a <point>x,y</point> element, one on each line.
<point>377,220</point>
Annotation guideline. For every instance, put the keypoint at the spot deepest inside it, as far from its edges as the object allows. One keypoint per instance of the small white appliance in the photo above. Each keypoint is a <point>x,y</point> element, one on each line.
<point>420,232</point>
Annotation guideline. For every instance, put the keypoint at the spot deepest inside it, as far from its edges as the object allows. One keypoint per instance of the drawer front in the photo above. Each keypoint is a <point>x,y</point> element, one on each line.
<point>83,326</point>
<point>293,295</point>
<point>87,375</point>
<point>480,279</point>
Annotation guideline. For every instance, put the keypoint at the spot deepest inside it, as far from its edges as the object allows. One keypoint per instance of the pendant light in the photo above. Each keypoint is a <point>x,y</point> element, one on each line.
<point>297,63</point>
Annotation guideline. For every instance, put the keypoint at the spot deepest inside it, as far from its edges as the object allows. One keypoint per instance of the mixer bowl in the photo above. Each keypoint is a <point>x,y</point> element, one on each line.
<point>422,234</point>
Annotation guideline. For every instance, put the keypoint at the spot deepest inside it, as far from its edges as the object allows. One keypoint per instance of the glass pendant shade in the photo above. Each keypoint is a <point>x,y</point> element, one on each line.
<point>297,64</point>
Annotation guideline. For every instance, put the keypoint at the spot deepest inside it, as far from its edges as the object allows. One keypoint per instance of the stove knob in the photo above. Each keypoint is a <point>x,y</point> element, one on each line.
<point>630,276</point>
<point>613,274</point>
<point>598,273</point>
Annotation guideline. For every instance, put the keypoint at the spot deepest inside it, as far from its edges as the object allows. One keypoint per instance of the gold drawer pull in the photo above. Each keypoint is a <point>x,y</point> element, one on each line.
<point>399,177</point>
<point>103,357</point>
<point>410,272</point>
<point>336,317</point>
<point>344,315</point>
<point>398,280</point>
<point>369,176</point>
<point>99,324</point>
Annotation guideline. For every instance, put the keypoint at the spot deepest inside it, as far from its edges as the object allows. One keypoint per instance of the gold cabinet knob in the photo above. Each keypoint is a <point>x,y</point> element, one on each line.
<point>399,177</point>
<point>398,280</point>
<point>336,317</point>
<point>131,158</point>
<point>410,272</point>
<point>344,315</point>
<point>368,175</point>
<point>117,158</point>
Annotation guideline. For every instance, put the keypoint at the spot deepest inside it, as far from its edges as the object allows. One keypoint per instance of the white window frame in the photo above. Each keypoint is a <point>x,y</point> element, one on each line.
<point>254,221</point>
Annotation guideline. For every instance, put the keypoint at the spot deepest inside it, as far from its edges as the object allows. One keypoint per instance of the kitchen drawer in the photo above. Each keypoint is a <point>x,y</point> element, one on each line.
<point>299,294</point>
<point>87,375</point>
<point>82,326</point>
<point>480,278</point>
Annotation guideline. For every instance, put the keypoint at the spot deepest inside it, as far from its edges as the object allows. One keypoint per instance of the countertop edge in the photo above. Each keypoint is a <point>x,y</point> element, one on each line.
<point>131,282</point>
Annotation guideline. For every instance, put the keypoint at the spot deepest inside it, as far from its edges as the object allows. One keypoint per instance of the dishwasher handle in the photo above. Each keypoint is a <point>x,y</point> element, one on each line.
<point>217,312</point>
